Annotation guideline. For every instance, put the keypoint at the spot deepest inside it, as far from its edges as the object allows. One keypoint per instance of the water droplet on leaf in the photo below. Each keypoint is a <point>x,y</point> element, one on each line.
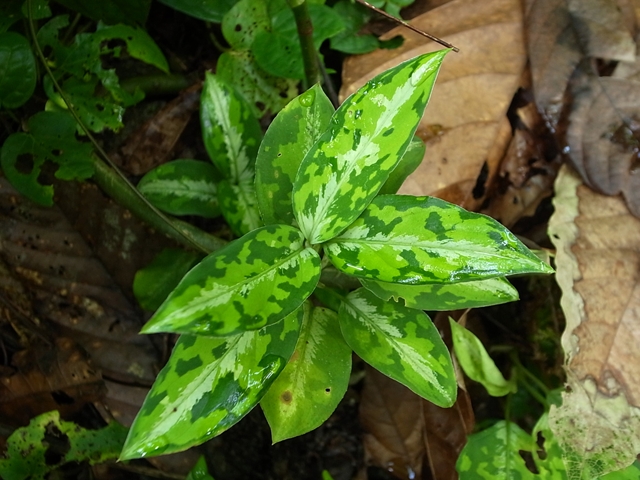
<point>307,98</point>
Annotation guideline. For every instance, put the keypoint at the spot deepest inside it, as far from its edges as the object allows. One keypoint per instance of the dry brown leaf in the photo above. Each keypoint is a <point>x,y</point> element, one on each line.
<point>604,135</point>
<point>598,269</point>
<point>465,126</point>
<point>391,416</point>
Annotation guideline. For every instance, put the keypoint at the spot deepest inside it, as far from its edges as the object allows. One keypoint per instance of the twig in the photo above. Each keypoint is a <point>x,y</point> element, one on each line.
<point>305,34</point>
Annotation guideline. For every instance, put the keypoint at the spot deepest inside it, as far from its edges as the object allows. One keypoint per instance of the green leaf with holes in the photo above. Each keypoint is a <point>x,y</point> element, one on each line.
<point>244,21</point>
<point>494,454</point>
<point>239,206</point>
<point>416,240</point>
<point>183,187</point>
<point>548,456</point>
<point>51,138</point>
<point>411,159</point>
<point>314,381</point>
<point>289,137</point>
<point>368,135</point>
<point>446,296</point>
<point>402,343</point>
<point>476,362</point>
<point>208,385</point>
<point>254,281</point>
<point>231,132</point>
<point>18,67</point>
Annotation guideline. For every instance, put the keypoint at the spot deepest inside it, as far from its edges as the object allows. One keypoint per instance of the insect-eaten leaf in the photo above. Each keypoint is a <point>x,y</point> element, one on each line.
<point>417,240</point>
<point>208,385</point>
<point>402,343</point>
<point>254,281</point>
<point>352,160</point>
<point>314,381</point>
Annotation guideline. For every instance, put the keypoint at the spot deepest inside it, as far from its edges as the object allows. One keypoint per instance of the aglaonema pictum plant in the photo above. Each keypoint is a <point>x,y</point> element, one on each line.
<point>251,334</point>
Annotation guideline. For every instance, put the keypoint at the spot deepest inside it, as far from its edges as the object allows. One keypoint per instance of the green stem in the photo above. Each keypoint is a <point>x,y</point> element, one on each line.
<point>305,34</point>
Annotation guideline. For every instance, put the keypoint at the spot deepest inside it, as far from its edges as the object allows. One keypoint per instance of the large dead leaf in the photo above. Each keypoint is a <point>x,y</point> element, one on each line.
<point>465,126</point>
<point>598,269</point>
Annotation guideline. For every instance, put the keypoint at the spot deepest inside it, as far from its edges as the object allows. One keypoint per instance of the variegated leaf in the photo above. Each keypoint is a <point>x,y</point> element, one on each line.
<point>408,163</point>
<point>230,130</point>
<point>288,139</point>
<point>239,206</point>
<point>446,296</point>
<point>208,385</point>
<point>183,187</point>
<point>368,135</point>
<point>314,381</point>
<point>402,343</point>
<point>416,240</point>
<point>252,282</point>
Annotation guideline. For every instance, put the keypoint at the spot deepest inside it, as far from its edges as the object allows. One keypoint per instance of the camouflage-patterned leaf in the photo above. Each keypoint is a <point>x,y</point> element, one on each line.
<point>416,240</point>
<point>252,282</point>
<point>289,137</point>
<point>208,385</point>
<point>551,467</point>
<point>368,135</point>
<point>183,187</point>
<point>408,163</point>
<point>476,362</point>
<point>402,343</point>
<point>446,296</point>
<point>231,132</point>
<point>314,381</point>
<point>493,454</point>
<point>239,206</point>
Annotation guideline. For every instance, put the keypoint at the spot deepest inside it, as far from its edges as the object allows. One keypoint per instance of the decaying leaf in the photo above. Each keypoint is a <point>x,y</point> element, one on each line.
<point>464,126</point>
<point>598,269</point>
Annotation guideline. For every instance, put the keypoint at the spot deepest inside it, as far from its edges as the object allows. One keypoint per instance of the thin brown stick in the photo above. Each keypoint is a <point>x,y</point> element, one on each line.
<point>409,26</point>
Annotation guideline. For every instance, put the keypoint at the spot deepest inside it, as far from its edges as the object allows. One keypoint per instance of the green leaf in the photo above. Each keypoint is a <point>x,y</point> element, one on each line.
<point>39,9</point>
<point>285,144</point>
<point>239,206</point>
<point>493,454</point>
<point>314,381</point>
<point>278,51</point>
<point>153,283</point>
<point>52,138</point>
<point>183,187</point>
<point>446,296</point>
<point>18,67</point>
<point>207,10</point>
<point>416,240</point>
<point>254,281</point>
<point>113,11</point>
<point>264,92</point>
<point>476,362</point>
<point>551,467</point>
<point>28,457</point>
<point>231,132</point>
<point>344,170</point>
<point>10,13</point>
<point>402,343</point>
<point>199,470</point>
<point>208,385</point>
<point>632,472</point>
<point>354,16</point>
<point>244,21</point>
<point>411,159</point>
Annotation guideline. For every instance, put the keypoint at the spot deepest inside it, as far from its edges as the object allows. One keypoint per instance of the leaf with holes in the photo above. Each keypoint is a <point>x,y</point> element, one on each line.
<point>314,381</point>
<point>208,385</point>
<point>289,137</point>
<point>244,21</point>
<point>416,240</point>
<point>183,187</point>
<point>344,170</point>
<point>402,343</point>
<point>231,132</point>
<point>239,206</point>
<point>254,281</point>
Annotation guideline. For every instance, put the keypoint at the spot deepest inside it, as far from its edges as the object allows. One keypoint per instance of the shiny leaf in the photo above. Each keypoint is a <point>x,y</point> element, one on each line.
<point>476,362</point>
<point>231,132</point>
<point>402,343</point>
<point>368,135</point>
<point>446,296</point>
<point>18,67</point>
<point>252,282</point>
<point>408,163</point>
<point>289,137</point>
<point>183,187</point>
<point>239,206</point>
<point>208,385</point>
<point>314,381</point>
<point>416,240</point>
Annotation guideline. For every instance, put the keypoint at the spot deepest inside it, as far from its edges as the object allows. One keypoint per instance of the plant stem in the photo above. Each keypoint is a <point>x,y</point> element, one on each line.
<point>305,34</point>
